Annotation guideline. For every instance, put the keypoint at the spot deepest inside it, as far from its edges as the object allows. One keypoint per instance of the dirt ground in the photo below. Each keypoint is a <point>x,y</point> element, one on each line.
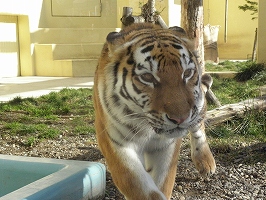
<point>241,171</point>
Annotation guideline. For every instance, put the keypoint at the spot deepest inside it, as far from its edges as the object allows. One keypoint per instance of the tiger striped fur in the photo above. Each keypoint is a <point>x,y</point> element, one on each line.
<point>148,94</point>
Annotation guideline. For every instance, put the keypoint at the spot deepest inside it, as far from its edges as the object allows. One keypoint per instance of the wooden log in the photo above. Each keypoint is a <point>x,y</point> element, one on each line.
<point>128,19</point>
<point>161,22</point>
<point>210,96</point>
<point>227,112</point>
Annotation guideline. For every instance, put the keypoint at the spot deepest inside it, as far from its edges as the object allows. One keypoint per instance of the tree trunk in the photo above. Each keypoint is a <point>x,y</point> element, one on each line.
<point>148,14</point>
<point>128,19</point>
<point>229,111</point>
<point>148,11</point>
<point>192,22</point>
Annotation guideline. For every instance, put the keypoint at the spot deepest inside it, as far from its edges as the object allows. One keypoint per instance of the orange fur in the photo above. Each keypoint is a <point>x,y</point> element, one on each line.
<point>141,168</point>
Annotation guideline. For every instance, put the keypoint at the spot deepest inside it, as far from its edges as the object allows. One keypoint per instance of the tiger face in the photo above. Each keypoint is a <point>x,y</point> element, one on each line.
<point>156,78</point>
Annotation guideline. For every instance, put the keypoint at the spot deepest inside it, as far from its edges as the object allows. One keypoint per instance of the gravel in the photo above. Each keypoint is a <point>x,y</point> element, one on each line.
<point>241,171</point>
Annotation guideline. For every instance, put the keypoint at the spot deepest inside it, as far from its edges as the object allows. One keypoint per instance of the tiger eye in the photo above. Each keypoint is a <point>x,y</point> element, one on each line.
<point>147,77</point>
<point>188,73</point>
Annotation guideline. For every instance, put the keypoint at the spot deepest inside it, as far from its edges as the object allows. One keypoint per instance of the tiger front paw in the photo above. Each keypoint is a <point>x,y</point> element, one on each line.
<point>152,195</point>
<point>203,159</point>
<point>157,195</point>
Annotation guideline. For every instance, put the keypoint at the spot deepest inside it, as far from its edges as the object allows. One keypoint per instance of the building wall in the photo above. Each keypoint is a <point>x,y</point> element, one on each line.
<point>240,28</point>
<point>37,17</point>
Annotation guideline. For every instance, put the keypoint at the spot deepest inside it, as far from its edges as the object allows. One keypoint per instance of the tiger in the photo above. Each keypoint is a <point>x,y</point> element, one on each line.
<point>149,92</point>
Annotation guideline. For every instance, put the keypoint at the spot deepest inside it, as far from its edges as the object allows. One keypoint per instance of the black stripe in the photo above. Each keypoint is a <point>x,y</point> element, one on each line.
<point>144,102</point>
<point>160,60</point>
<point>177,46</point>
<point>136,89</point>
<point>171,39</point>
<point>116,100</point>
<point>130,60</point>
<point>129,50</point>
<point>114,141</point>
<point>148,58</point>
<point>127,111</point>
<point>197,81</point>
<point>144,37</point>
<point>174,54</point>
<point>147,49</point>
<point>139,66</point>
<point>123,90</point>
<point>116,72</point>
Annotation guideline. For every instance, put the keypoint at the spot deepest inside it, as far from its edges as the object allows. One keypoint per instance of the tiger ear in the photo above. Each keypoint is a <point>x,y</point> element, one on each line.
<point>206,81</point>
<point>179,30</point>
<point>182,34</point>
<point>114,40</point>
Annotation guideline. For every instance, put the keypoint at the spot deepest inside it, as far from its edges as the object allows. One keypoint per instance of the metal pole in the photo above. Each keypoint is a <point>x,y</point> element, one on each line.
<point>225,21</point>
<point>255,46</point>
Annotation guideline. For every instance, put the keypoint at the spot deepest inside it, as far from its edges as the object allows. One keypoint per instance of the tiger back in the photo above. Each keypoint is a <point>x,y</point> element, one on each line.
<point>148,94</point>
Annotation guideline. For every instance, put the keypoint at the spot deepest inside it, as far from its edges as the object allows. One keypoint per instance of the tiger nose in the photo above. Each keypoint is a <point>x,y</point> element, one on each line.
<point>176,120</point>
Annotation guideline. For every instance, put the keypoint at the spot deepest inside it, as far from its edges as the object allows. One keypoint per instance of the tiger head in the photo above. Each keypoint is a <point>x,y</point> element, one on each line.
<point>154,74</point>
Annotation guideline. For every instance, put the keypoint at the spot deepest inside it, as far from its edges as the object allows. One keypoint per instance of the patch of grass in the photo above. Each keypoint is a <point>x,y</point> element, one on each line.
<point>251,126</point>
<point>250,70</point>
<point>232,91</point>
<point>224,66</point>
<point>239,132</point>
<point>251,76</point>
<point>68,112</point>
<point>246,69</point>
<point>37,130</point>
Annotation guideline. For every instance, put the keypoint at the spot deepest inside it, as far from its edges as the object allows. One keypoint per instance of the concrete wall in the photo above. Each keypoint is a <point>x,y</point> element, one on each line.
<point>43,22</point>
<point>39,19</point>
<point>240,29</point>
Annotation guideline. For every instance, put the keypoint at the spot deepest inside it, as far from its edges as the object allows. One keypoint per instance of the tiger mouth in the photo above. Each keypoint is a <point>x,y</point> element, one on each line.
<point>169,131</point>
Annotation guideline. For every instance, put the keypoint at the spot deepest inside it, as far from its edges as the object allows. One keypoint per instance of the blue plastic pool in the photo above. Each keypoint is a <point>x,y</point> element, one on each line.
<point>42,178</point>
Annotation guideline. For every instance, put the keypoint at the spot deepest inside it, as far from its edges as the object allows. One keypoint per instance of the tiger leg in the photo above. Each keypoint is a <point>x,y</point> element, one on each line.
<point>128,172</point>
<point>162,166</point>
<point>200,152</point>
<point>130,176</point>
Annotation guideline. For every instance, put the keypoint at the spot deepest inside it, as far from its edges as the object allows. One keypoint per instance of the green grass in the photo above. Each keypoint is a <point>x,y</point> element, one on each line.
<point>251,126</point>
<point>248,67</point>
<point>230,90</point>
<point>251,71</point>
<point>239,131</point>
<point>68,112</point>
<point>224,66</point>
<point>245,85</point>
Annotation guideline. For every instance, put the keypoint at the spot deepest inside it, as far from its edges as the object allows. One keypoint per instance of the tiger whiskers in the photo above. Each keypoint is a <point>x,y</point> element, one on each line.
<point>136,130</point>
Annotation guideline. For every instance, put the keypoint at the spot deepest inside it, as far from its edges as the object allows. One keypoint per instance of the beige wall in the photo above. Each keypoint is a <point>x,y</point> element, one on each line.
<point>262,32</point>
<point>36,19</point>
<point>240,31</point>
<point>107,19</point>
<point>36,25</point>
